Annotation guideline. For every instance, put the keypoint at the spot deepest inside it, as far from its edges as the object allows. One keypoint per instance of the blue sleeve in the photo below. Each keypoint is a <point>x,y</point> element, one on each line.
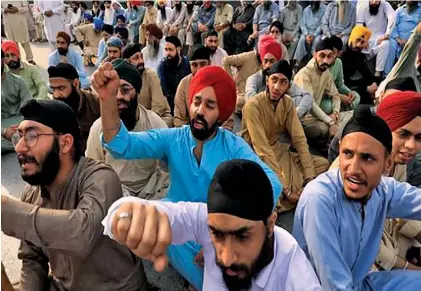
<point>316,230</point>
<point>405,201</point>
<point>51,60</point>
<point>275,11</point>
<point>303,22</point>
<point>80,68</point>
<point>244,151</point>
<point>151,144</point>
<point>394,30</point>
<point>256,16</point>
<point>209,24</point>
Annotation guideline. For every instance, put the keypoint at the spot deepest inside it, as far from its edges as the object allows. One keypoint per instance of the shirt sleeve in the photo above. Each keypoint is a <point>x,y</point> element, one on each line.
<point>390,14</point>
<point>405,201</point>
<point>80,229</point>
<point>275,12</point>
<point>317,222</point>
<point>325,21</point>
<point>351,25</point>
<point>296,32</point>
<point>332,91</point>
<point>303,23</point>
<point>59,9</point>
<point>181,16</point>
<point>188,220</point>
<point>180,108</point>
<point>94,149</point>
<point>306,100</point>
<point>40,84</point>
<point>151,144</point>
<point>34,272</point>
<point>24,93</point>
<point>251,87</point>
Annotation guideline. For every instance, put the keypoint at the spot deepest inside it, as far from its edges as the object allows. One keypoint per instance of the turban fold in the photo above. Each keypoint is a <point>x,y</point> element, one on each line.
<point>359,31</point>
<point>115,42</point>
<point>98,23</point>
<point>400,108</point>
<point>267,44</point>
<point>122,31</point>
<point>401,84</point>
<point>88,16</point>
<point>63,70</point>
<point>154,30</point>
<point>200,52</point>
<point>174,40</point>
<point>121,17</point>
<point>108,28</point>
<point>223,85</point>
<point>135,2</point>
<point>281,67</point>
<point>64,35</point>
<point>324,44</point>
<point>55,114</point>
<point>241,188</point>
<point>131,49</point>
<point>10,46</point>
<point>366,121</point>
<point>129,73</point>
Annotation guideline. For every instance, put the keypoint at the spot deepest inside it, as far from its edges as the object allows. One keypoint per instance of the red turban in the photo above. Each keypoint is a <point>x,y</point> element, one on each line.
<point>267,44</point>
<point>223,85</point>
<point>134,2</point>
<point>10,46</point>
<point>400,108</point>
<point>64,35</point>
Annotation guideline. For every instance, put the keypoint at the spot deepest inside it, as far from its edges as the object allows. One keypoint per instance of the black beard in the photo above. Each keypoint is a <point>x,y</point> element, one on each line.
<point>48,169</point>
<point>264,258</point>
<point>163,12</point>
<point>190,8</point>
<point>320,68</point>
<point>62,51</point>
<point>206,132</point>
<point>141,69</point>
<point>172,62</point>
<point>75,9</point>
<point>128,115</point>
<point>373,9</point>
<point>315,6</point>
<point>178,7</point>
<point>212,50</point>
<point>73,100</point>
<point>14,65</point>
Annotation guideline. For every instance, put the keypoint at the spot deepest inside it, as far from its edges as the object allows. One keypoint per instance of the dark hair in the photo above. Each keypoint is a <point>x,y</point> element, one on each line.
<point>211,33</point>
<point>278,25</point>
<point>83,5</point>
<point>336,42</point>
<point>148,2</point>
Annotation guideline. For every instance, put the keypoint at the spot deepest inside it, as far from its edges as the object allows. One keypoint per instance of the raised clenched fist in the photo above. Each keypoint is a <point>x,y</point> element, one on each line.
<point>105,81</point>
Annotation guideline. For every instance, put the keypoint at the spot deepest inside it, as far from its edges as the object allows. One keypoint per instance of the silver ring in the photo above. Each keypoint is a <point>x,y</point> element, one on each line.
<point>124,215</point>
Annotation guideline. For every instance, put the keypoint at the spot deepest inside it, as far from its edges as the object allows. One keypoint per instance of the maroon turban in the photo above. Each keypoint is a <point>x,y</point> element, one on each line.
<point>155,31</point>
<point>222,84</point>
<point>64,35</point>
<point>400,108</point>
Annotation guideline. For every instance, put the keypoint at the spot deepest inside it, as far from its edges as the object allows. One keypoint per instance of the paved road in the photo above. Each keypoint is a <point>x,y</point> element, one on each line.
<point>11,180</point>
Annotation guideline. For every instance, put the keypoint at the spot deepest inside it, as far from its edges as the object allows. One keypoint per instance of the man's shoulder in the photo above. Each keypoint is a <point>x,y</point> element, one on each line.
<point>87,167</point>
<point>15,78</point>
<point>327,186</point>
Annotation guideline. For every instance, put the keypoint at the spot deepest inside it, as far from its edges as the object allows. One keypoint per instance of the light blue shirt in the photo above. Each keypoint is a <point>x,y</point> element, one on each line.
<point>263,18</point>
<point>289,269</point>
<point>311,23</point>
<point>189,181</point>
<point>135,18</point>
<point>101,49</point>
<point>75,59</point>
<point>405,22</point>
<point>330,22</point>
<point>341,237</point>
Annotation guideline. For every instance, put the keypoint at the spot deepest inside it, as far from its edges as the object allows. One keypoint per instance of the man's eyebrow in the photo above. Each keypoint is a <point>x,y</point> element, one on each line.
<point>231,232</point>
<point>405,131</point>
<point>211,101</point>
<point>29,128</point>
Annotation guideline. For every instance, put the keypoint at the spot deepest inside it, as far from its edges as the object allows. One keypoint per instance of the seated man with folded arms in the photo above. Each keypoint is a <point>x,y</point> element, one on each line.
<point>340,216</point>
<point>242,247</point>
<point>59,218</point>
<point>192,152</point>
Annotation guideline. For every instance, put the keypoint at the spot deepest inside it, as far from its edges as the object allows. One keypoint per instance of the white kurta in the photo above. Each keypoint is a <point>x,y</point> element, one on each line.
<point>54,23</point>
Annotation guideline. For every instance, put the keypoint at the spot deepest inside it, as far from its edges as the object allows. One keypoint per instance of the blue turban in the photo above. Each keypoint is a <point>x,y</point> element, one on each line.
<point>115,42</point>
<point>98,23</point>
<point>88,16</point>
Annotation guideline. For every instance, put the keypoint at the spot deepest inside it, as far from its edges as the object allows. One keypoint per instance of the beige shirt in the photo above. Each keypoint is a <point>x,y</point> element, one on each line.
<point>61,231</point>
<point>152,98</point>
<point>224,15</point>
<point>318,84</point>
<point>133,174</point>
<point>15,24</point>
<point>85,33</point>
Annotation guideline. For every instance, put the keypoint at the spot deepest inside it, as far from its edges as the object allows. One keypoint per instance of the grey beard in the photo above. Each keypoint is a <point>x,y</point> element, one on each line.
<point>152,50</point>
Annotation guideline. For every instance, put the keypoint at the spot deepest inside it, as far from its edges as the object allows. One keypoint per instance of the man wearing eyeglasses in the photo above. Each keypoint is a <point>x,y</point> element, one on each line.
<point>140,178</point>
<point>65,83</point>
<point>59,217</point>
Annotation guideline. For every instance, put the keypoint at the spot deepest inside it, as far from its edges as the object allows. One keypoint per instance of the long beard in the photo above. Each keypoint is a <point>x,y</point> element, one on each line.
<point>152,50</point>
<point>264,258</point>
<point>163,12</point>
<point>73,100</point>
<point>62,51</point>
<point>172,62</point>
<point>49,167</point>
<point>205,132</point>
<point>266,5</point>
<point>373,9</point>
<point>315,6</point>
<point>128,116</point>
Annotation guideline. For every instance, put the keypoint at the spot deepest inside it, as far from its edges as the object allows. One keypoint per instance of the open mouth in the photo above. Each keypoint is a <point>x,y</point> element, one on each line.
<point>199,124</point>
<point>354,183</point>
<point>406,155</point>
<point>230,272</point>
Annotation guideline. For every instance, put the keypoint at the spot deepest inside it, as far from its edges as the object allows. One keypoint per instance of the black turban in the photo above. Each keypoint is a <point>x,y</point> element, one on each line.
<point>63,70</point>
<point>122,31</point>
<point>278,25</point>
<point>324,44</point>
<point>366,121</point>
<point>55,114</point>
<point>402,84</point>
<point>108,28</point>
<point>129,73</point>
<point>174,40</point>
<point>200,52</point>
<point>281,67</point>
<point>131,49</point>
<point>241,188</point>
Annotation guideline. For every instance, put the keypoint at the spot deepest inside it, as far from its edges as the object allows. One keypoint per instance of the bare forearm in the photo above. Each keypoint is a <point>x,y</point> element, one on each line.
<point>110,118</point>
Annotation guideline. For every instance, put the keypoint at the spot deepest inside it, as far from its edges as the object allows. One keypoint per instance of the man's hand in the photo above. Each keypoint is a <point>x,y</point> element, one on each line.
<point>345,99</point>
<point>48,13</point>
<point>287,38</point>
<point>333,129</point>
<point>199,260</point>
<point>382,38</point>
<point>217,28</point>
<point>173,30</point>
<point>401,41</point>
<point>105,81</point>
<point>309,39</point>
<point>147,232</point>
<point>419,28</point>
<point>372,89</point>
<point>9,131</point>
<point>334,117</point>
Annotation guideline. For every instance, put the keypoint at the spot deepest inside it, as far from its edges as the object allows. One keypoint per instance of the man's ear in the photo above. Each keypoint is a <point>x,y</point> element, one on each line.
<point>76,83</point>
<point>271,222</point>
<point>66,142</point>
<point>179,50</point>
<point>388,165</point>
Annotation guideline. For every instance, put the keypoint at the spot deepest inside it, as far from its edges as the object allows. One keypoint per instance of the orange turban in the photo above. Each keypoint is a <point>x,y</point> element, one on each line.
<point>359,31</point>
<point>267,44</point>
<point>222,84</point>
<point>10,46</point>
<point>400,108</point>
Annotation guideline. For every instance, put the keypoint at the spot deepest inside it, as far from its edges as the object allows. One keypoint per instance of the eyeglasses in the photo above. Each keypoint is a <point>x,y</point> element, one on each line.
<point>125,90</point>
<point>30,138</point>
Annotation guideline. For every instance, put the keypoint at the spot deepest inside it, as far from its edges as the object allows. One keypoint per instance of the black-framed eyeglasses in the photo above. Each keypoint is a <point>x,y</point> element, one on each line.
<point>30,137</point>
<point>125,90</point>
